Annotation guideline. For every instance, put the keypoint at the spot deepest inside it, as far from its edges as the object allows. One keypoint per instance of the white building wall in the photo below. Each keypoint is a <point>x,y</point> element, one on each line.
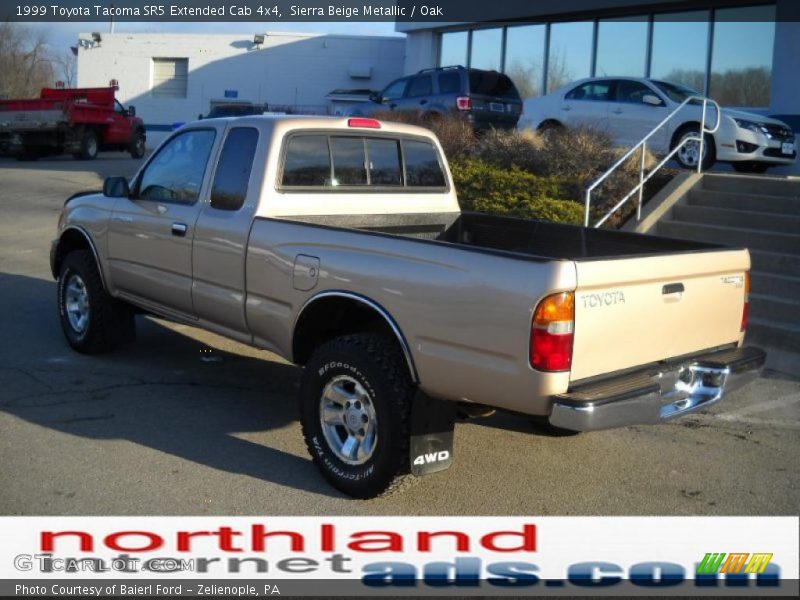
<point>287,69</point>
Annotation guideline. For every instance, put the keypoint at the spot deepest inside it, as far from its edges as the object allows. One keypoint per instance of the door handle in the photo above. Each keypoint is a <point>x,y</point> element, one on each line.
<point>566,108</point>
<point>423,101</point>
<point>672,288</point>
<point>393,106</point>
<point>617,111</point>
<point>179,229</point>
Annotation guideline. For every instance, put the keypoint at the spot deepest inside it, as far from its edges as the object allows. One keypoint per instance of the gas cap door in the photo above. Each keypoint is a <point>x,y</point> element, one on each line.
<point>306,272</point>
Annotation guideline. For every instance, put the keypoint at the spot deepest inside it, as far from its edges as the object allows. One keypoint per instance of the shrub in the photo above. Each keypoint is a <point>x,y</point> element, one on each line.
<point>486,188</point>
<point>507,149</point>
<point>455,134</point>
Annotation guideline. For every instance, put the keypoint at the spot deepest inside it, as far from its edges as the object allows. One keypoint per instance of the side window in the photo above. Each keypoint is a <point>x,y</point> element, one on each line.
<point>632,91</point>
<point>119,108</point>
<point>384,162</point>
<point>395,90</point>
<point>594,90</point>
<point>308,161</point>
<point>176,173</point>
<point>233,169</point>
<point>422,164</point>
<point>420,86</point>
<point>450,83</point>
<point>349,161</point>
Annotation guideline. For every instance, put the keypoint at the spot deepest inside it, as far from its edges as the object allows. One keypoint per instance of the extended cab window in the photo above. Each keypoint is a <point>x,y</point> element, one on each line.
<point>233,169</point>
<point>422,164</point>
<point>359,162</point>
<point>176,173</point>
<point>308,161</point>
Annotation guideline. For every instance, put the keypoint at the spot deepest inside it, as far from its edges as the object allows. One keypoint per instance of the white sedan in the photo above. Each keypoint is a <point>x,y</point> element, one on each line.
<point>629,108</point>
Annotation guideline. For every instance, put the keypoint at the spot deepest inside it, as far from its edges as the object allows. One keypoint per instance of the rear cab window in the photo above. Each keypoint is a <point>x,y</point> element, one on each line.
<point>337,161</point>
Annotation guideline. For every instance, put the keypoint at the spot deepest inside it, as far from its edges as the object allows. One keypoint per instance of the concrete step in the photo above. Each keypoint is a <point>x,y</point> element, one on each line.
<point>772,308</point>
<point>775,262</point>
<point>744,219</point>
<point>781,205</point>
<point>732,236</point>
<point>773,334</point>
<point>781,287</point>
<point>751,184</point>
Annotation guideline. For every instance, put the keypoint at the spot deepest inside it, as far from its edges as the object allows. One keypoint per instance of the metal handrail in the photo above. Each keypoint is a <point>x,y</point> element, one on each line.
<point>643,145</point>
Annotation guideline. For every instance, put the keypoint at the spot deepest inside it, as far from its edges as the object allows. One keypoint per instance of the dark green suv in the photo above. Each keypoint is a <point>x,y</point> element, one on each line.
<point>485,98</point>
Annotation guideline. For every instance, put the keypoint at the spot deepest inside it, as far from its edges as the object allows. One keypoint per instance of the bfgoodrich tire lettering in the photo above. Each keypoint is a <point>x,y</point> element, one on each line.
<point>378,367</point>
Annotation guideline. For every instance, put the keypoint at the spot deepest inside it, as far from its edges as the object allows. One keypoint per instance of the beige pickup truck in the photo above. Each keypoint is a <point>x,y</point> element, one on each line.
<point>339,244</point>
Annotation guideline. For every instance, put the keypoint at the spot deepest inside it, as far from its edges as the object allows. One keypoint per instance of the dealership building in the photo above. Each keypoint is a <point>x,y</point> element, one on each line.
<point>743,54</point>
<point>172,78</point>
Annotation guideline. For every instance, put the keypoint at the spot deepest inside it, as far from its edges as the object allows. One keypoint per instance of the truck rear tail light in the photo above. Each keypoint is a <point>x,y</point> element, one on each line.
<point>746,307</point>
<point>463,103</point>
<point>368,123</point>
<point>552,332</point>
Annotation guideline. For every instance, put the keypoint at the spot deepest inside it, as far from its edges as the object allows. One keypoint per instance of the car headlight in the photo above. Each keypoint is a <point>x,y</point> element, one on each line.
<point>751,126</point>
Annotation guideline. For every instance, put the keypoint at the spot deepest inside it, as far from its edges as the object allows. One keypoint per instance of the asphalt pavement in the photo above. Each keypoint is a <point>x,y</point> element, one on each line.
<point>186,422</point>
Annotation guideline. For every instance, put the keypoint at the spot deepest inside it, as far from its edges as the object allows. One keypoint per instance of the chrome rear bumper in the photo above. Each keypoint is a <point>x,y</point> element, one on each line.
<point>659,394</point>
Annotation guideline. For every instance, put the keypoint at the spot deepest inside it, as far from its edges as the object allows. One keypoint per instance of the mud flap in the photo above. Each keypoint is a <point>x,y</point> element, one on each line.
<point>432,424</point>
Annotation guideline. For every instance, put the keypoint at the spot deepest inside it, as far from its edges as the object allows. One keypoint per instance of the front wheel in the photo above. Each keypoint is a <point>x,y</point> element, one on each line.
<point>137,146</point>
<point>92,321</point>
<point>355,403</point>
<point>689,154</point>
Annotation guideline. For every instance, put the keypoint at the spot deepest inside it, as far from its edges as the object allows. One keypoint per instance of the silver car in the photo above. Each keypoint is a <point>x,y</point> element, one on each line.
<point>629,108</point>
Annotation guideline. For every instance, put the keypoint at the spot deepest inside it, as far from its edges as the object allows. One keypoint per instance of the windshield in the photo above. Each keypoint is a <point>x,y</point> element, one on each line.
<point>675,91</point>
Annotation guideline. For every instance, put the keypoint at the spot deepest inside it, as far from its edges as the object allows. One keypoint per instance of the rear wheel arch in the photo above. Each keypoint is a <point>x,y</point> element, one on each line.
<point>329,315</point>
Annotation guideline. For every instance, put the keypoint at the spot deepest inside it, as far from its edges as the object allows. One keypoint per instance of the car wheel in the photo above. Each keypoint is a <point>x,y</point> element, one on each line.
<point>550,127</point>
<point>355,403</point>
<point>689,154</point>
<point>92,321</point>
<point>89,145</point>
<point>750,167</point>
<point>137,146</point>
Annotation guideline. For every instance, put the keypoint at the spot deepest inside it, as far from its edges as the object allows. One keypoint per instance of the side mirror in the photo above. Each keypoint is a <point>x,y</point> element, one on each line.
<point>376,97</point>
<point>652,100</point>
<point>200,117</point>
<point>131,111</point>
<point>116,187</point>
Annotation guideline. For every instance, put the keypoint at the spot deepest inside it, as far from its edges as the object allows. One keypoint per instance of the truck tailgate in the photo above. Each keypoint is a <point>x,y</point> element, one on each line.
<point>634,311</point>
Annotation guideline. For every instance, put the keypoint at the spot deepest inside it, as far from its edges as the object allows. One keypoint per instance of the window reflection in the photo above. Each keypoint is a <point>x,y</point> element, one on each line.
<point>487,45</point>
<point>680,46</point>
<point>570,53</point>
<point>453,50</point>
<point>741,58</point>
<point>622,47</point>
<point>525,58</point>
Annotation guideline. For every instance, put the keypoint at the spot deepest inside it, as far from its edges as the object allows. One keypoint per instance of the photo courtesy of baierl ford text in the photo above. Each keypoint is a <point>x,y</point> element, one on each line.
<point>390,298</point>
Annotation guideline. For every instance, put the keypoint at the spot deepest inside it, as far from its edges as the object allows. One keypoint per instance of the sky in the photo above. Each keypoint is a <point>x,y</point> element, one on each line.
<point>60,36</point>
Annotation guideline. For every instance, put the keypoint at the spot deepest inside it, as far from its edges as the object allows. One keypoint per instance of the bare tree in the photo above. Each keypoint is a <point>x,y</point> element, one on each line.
<point>66,67</point>
<point>25,61</point>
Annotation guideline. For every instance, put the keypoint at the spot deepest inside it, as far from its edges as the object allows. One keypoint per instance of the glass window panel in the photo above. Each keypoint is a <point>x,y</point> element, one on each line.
<point>307,162</point>
<point>487,47</point>
<point>525,58</point>
<point>422,165</point>
<point>570,53</point>
<point>420,86</point>
<point>621,47</point>
<point>349,161</point>
<point>453,49</point>
<point>384,162</point>
<point>680,45</point>
<point>233,169</point>
<point>450,83</point>
<point>176,173</point>
<point>741,59</point>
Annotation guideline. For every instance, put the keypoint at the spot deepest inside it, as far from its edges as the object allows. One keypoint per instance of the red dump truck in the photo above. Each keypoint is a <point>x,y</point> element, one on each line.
<point>79,121</point>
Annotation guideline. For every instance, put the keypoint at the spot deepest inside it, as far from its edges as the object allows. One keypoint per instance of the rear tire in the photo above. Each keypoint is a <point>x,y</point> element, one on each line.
<point>137,145</point>
<point>750,167</point>
<point>92,321</point>
<point>358,386</point>
<point>89,146</point>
